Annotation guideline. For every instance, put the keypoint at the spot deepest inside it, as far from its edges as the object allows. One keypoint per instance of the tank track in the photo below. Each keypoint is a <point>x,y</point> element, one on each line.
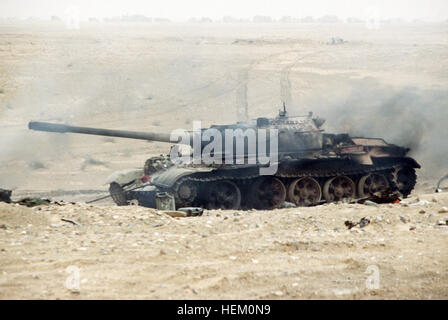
<point>400,175</point>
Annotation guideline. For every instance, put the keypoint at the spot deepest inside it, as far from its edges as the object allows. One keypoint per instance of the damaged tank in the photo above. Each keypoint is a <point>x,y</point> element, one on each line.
<point>312,167</point>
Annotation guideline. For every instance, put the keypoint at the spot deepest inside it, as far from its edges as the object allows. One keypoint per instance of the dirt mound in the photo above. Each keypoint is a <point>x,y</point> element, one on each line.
<point>13,215</point>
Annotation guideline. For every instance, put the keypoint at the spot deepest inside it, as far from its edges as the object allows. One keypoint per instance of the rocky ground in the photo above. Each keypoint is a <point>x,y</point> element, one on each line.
<point>295,253</point>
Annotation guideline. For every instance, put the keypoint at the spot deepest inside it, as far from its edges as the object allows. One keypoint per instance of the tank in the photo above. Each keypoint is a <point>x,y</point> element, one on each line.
<point>311,166</point>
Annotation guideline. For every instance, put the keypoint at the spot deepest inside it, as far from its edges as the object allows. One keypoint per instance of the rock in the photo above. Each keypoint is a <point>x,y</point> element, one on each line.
<point>363,222</point>
<point>443,210</point>
<point>442,222</point>
<point>278,293</point>
<point>404,219</point>
<point>422,211</point>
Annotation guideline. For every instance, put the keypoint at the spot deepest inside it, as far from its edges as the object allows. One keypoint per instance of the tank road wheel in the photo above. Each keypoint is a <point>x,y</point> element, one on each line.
<point>186,194</point>
<point>371,183</point>
<point>304,191</point>
<point>223,195</point>
<point>338,188</point>
<point>404,179</point>
<point>267,193</point>
<point>117,194</point>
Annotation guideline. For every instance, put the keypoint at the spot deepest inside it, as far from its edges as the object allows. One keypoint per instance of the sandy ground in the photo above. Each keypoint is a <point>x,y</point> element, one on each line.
<point>162,77</point>
<point>301,253</point>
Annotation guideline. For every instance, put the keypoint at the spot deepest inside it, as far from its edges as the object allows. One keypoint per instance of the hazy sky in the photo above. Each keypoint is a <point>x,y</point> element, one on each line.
<point>183,9</point>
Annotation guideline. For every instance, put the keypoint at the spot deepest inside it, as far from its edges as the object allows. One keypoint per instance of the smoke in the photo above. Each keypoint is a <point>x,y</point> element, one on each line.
<point>408,116</point>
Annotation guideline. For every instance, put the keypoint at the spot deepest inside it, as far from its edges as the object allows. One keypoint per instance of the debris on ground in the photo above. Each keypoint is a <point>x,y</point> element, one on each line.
<point>5,195</point>
<point>336,41</point>
<point>32,202</point>
<point>370,203</point>
<point>362,223</point>
<point>175,214</point>
<point>192,211</point>
<point>185,212</point>
<point>385,196</point>
<point>71,221</point>
<point>287,204</point>
<point>420,203</point>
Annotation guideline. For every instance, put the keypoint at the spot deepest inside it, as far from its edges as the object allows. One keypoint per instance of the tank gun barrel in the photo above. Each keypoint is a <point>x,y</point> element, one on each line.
<point>62,128</point>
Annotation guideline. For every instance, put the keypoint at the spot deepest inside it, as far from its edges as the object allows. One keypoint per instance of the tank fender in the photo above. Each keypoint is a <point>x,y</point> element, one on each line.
<point>123,177</point>
<point>168,178</point>
<point>412,163</point>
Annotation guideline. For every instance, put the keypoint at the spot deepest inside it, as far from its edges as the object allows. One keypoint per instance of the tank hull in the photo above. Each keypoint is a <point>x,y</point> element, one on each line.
<point>302,182</point>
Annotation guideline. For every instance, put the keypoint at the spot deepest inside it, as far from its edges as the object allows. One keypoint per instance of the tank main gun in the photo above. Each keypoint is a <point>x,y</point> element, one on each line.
<point>62,128</point>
